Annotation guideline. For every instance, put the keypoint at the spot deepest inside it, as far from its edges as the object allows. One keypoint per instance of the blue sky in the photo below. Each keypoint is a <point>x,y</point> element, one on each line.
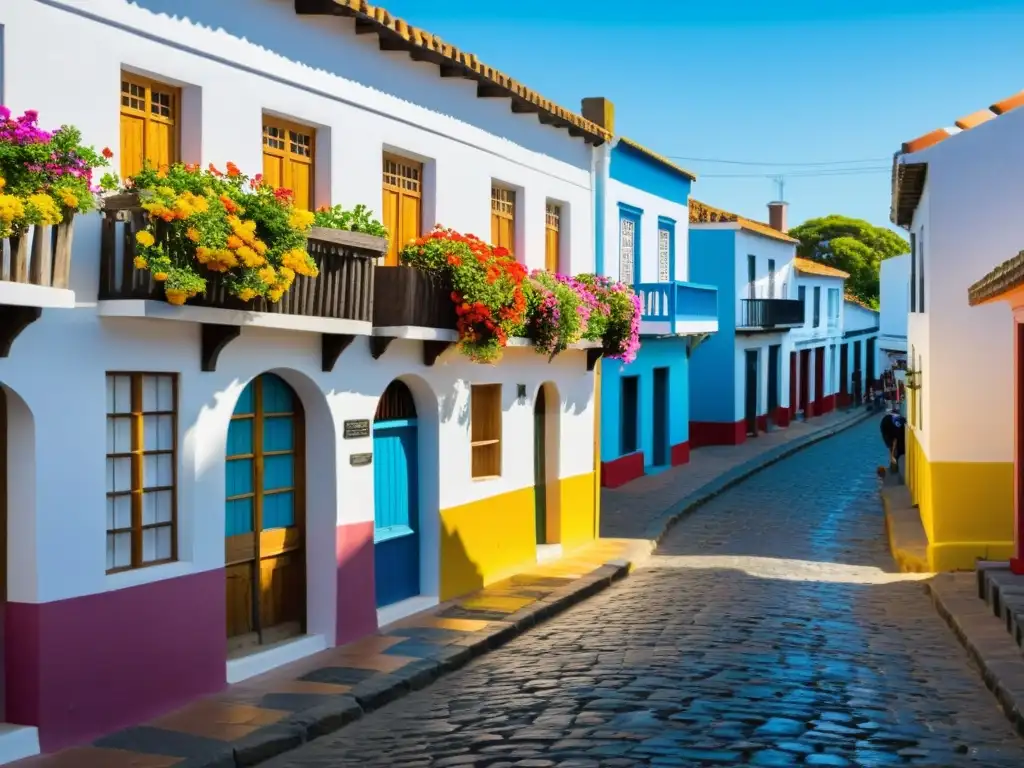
<point>786,82</point>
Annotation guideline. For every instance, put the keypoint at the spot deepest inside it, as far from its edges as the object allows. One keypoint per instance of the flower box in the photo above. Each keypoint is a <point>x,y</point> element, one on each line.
<point>344,288</point>
<point>406,296</point>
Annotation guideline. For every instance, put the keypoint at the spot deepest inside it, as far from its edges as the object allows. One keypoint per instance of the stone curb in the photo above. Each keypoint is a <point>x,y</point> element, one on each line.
<point>659,528</point>
<point>339,711</point>
<point>985,639</point>
<point>908,542</point>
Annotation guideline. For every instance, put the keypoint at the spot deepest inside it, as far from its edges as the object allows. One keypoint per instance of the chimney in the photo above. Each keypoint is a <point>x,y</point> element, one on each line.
<point>777,215</point>
<point>597,109</point>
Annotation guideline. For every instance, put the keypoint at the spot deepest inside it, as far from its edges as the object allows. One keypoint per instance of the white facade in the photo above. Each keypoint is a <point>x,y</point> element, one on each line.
<point>894,306</point>
<point>653,207</point>
<point>236,60</point>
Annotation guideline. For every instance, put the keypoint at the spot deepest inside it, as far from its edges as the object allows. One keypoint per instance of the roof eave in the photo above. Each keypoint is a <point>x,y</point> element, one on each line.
<point>908,180</point>
<point>664,162</point>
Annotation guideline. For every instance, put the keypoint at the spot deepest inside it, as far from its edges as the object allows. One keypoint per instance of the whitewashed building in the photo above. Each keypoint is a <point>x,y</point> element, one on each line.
<point>816,363</point>
<point>858,361</point>
<point>894,305</point>
<point>116,611</point>
<point>958,191</point>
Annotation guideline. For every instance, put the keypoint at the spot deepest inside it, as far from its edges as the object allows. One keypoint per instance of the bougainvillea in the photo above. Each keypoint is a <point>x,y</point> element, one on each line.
<point>617,316</point>
<point>203,221</point>
<point>487,285</point>
<point>44,175</point>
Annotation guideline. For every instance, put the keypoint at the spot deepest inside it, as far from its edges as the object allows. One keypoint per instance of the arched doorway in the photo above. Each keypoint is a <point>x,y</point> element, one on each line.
<point>540,466</point>
<point>396,534</point>
<point>265,516</point>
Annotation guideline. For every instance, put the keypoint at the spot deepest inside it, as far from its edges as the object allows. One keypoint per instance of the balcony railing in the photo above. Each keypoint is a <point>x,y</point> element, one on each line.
<point>677,308</point>
<point>406,297</point>
<point>343,290</point>
<point>767,314</point>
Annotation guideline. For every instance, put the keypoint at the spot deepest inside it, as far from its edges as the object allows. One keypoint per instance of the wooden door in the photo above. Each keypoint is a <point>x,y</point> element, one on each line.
<point>629,414</point>
<point>773,379</point>
<point>396,539</point>
<point>540,475</point>
<point>819,374</point>
<point>552,225</point>
<point>289,158</point>
<point>844,369</point>
<point>660,418</point>
<point>403,204</point>
<point>750,399</point>
<point>265,520</point>
<point>805,376</point>
<point>792,385</point>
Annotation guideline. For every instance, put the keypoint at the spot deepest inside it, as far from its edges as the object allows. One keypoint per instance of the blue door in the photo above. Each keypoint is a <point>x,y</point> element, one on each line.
<point>396,538</point>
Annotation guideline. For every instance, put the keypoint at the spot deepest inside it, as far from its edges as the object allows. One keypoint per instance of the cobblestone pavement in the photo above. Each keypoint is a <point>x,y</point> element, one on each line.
<point>771,629</point>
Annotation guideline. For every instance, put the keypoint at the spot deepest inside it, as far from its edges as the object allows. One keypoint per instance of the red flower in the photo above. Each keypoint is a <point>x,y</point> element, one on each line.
<point>107,153</point>
<point>228,203</point>
<point>283,195</point>
<point>214,171</point>
<point>233,170</point>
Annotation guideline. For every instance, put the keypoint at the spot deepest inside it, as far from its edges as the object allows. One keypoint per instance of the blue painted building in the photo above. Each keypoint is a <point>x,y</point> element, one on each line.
<point>641,218</point>
<point>741,379</point>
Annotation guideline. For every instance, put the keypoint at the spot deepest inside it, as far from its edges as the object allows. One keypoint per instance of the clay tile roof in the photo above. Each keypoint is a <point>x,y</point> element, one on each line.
<point>394,34</point>
<point>702,213</point>
<point>1007,277</point>
<point>657,158</point>
<point>859,302</point>
<point>809,267</point>
<point>965,123</point>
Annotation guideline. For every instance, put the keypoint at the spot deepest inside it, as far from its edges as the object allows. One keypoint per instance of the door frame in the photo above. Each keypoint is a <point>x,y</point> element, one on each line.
<point>552,464</point>
<point>774,375</point>
<point>750,419</point>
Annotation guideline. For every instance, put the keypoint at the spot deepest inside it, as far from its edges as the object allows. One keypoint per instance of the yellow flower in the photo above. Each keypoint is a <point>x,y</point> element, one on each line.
<point>275,294</point>
<point>202,254</point>
<point>140,263</point>
<point>260,247</point>
<point>44,209</point>
<point>249,257</point>
<point>268,275</point>
<point>300,219</point>
<point>192,234</point>
<point>159,276</point>
<point>145,238</point>
<point>68,198</point>
<point>3,182</point>
<point>11,208</point>
<point>175,296</point>
<point>287,275</point>
<point>247,294</point>
<point>165,191</point>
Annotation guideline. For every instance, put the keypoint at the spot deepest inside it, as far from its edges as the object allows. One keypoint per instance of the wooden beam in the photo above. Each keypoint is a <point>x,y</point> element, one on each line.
<point>393,44</point>
<point>213,339</point>
<point>314,7</point>
<point>546,118</point>
<point>488,91</point>
<point>575,132</point>
<point>422,54</point>
<point>331,347</point>
<point>379,345</point>
<point>433,350</point>
<point>14,320</point>
<point>451,70</point>
<point>524,107</point>
<point>364,27</point>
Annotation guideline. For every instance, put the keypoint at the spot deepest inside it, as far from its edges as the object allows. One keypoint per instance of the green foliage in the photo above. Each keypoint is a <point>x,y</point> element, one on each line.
<point>852,245</point>
<point>359,219</point>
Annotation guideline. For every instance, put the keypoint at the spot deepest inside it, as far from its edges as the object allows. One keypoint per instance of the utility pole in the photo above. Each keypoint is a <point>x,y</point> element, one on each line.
<point>780,185</point>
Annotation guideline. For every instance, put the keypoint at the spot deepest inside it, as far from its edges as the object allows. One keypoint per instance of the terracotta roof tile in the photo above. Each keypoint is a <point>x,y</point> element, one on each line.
<point>964,124</point>
<point>702,213</point>
<point>398,35</point>
<point>809,267</point>
<point>1007,277</point>
<point>658,158</point>
<point>860,303</point>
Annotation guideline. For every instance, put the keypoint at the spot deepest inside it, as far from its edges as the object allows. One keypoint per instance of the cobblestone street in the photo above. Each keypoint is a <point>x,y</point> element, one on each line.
<point>770,629</point>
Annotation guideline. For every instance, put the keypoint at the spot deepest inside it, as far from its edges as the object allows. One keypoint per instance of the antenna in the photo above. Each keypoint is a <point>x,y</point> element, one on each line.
<point>780,185</point>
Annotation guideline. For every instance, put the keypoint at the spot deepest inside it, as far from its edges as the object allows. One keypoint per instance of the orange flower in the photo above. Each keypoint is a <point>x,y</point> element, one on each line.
<point>228,203</point>
<point>233,170</point>
<point>235,242</point>
<point>214,171</point>
<point>191,167</point>
<point>192,234</point>
<point>107,153</point>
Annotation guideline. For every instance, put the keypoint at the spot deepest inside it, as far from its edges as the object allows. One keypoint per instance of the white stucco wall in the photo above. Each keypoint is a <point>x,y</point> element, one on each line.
<point>857,318</point>
<point>828,331</point>
<point>363,102</point>
<point>894,298</point>
<point>652,207</point>
<point>970,221</point>
<point>764,248</point>
<point>760,342</point>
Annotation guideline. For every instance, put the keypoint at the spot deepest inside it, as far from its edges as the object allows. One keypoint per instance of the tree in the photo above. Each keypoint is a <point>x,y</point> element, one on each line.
<point>852,245</point>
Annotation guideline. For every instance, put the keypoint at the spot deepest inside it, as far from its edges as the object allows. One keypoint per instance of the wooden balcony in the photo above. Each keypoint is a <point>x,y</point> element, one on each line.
<point>411,304</point>
<point>338,303</point>
<point>34,272</point>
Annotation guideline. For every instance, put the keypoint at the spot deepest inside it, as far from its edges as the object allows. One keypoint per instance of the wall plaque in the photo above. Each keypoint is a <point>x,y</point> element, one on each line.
<point>356,428</point>
<point>360,459</point>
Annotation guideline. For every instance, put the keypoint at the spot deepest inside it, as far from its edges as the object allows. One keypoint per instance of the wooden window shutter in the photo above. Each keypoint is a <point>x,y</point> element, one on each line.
<point>503,217</point>
<point>552,222</point>
<point>289,150</point>
<point>485,430</point>
<point>402,204</point>
<point>149,124</point>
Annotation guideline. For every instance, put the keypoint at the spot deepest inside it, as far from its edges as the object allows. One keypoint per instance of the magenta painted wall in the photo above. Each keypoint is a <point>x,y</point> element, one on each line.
<point>83,667</point>
<point>357,605</point>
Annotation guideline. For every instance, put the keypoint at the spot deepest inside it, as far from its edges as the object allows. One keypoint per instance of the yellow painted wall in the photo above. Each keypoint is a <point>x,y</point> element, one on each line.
<point>493,538</point>
<point>966,508</point>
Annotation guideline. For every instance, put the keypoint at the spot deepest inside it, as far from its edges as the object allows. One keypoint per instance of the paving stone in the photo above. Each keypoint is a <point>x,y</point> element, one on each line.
<point>771,628</point>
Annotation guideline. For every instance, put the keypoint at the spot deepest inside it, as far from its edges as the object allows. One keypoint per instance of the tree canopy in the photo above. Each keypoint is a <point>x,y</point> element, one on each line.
<point>852,245</point>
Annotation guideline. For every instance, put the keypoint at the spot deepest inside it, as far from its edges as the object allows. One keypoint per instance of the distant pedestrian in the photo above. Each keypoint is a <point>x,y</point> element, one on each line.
<point>894,436</point>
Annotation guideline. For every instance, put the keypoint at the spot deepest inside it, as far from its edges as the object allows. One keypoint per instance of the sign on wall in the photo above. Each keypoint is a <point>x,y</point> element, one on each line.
<point>354,428</point>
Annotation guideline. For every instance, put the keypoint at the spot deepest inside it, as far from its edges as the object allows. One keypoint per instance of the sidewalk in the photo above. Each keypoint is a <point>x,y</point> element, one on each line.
<point>252,721</point>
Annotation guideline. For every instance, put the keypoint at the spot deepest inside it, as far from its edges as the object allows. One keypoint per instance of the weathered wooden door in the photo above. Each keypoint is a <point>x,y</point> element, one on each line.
<point>265,520</point>
<point>396,540</point>
<point>540,475</point>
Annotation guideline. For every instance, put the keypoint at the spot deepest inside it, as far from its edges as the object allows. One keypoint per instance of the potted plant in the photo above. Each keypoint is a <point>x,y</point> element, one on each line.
<point>46,177</point>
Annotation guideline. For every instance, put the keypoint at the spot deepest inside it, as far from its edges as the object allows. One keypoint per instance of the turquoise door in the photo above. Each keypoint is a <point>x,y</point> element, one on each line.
<point>396,539</point>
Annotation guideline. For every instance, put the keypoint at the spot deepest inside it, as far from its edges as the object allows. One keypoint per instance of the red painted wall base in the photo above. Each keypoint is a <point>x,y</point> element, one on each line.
<point>717,433</point>
<point>1017,566</point>
<point>828,403</point>
<point>782,416</point>
<point>762,422</point>
<point>681,454</point>
<point>620,471</point>
<point>842,400</point>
